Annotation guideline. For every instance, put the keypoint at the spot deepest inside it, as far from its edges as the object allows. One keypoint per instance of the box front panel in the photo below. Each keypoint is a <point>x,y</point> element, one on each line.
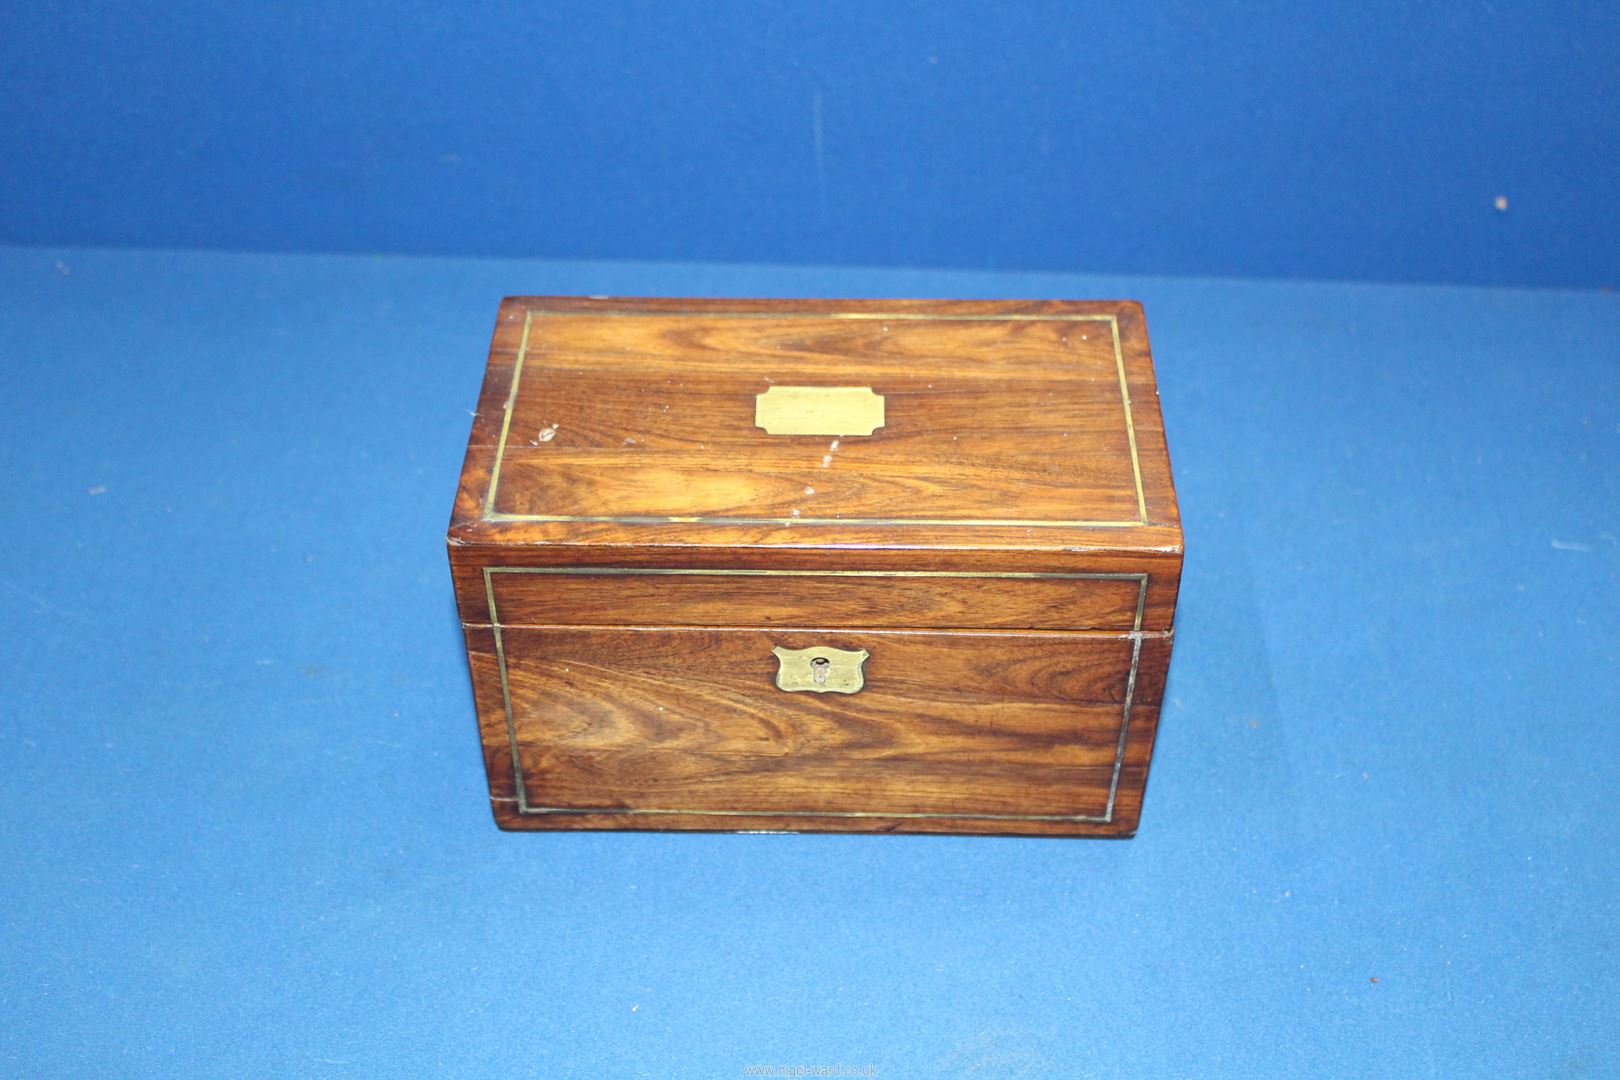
<point>691,728</point>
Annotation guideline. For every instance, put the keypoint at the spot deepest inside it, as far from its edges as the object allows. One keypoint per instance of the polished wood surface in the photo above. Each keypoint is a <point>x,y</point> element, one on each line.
<point>953,730</point>
<point>546,596</point>
<point>628,547</point>
<point>984,600</point>
<point>1007,426</point>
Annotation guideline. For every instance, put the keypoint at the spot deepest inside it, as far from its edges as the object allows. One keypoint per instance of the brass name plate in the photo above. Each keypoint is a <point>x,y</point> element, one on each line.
<point>820,670</point>
<point>819,410</point>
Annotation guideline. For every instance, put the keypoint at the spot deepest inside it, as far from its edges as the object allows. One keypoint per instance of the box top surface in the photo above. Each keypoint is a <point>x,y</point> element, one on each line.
<point>820,424</point>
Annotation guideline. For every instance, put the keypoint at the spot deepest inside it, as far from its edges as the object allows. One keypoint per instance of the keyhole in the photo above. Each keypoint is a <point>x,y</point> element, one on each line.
<point>818,669</point>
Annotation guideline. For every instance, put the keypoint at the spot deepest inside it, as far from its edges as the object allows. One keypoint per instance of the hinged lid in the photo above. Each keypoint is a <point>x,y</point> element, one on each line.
<point>819,424</point>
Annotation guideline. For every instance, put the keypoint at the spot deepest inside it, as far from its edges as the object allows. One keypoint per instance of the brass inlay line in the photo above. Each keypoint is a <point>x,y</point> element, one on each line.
<point>1130,425</point>
<point>521,788</point>
<point>1124,725</point>
<point>1078,575</point>
<point>821,628</point>
<point>506,422</point>
<point>506,689</point>
<point>652,519</point>
<point>615,810</point>
<point>1141,579</point>
<point>884,316</point>
<point>490,514</point>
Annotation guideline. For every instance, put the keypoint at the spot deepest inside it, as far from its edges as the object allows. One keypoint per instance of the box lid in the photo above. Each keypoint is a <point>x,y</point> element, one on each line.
<point>966,426</point>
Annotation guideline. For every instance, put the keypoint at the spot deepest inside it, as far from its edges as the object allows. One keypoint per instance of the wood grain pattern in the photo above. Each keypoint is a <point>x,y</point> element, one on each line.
<point>646,413</point>
<point>948,724</point>
<point>1095,604</point>
<point>627,547</point>
<point>783,483</point>
<point>653,414</point>
<point>845,597</point>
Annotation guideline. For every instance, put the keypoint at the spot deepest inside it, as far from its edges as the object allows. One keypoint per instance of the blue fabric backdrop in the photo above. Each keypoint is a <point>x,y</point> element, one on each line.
<point>243,822</point>
<point>1365,141</point>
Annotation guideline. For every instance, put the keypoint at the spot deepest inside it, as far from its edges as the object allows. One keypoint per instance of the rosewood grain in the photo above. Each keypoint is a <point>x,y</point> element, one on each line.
<point>1098,591</point>
<point>663,596</point>
<point>996,419</point>
<point>1019,732</point>
<point>628,547</point>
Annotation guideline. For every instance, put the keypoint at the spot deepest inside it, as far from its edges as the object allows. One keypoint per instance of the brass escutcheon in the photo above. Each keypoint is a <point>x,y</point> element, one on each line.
<point>820,670</point>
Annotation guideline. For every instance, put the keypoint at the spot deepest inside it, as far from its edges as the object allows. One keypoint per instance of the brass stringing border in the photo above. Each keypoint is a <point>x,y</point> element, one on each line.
<point>608,571</point>
<point>490,513</point>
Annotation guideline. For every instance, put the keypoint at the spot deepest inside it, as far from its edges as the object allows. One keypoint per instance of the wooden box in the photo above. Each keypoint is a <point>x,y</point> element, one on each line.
<point>813,565</point>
